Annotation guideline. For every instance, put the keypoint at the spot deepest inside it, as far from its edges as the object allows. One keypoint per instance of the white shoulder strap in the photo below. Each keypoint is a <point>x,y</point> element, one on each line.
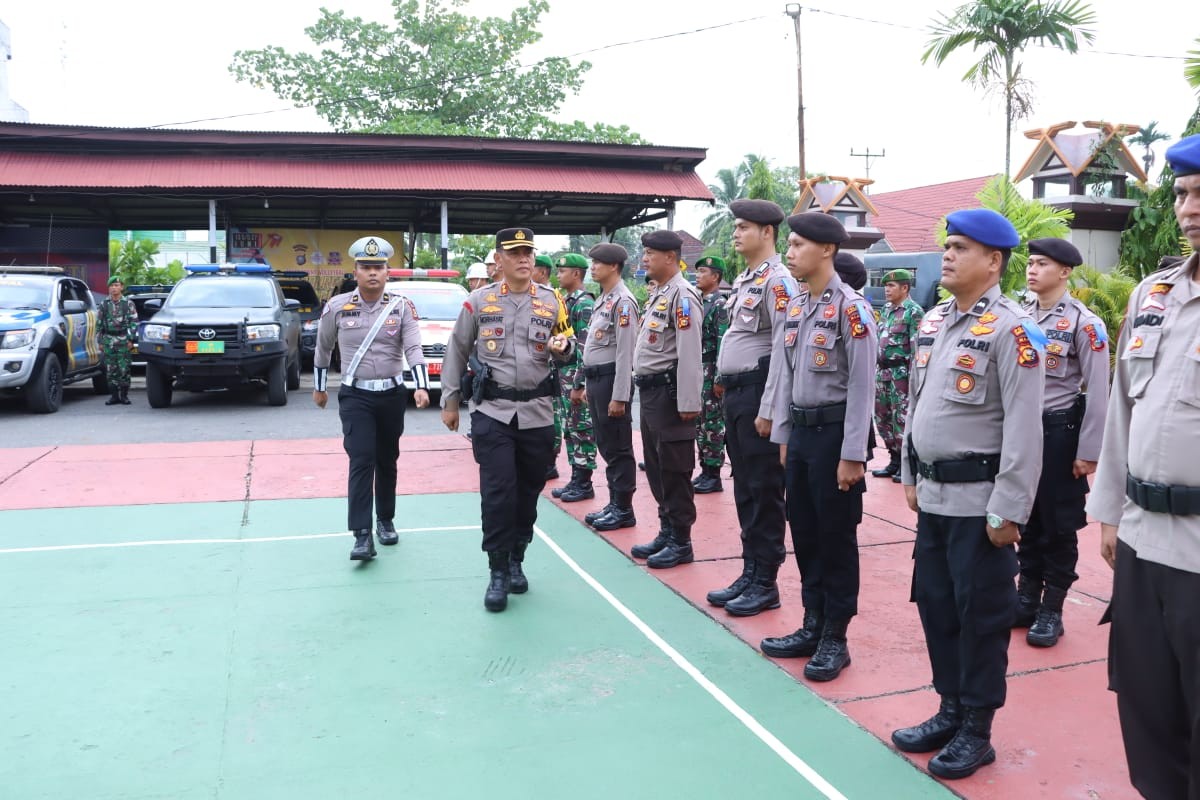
<point>366,343</point>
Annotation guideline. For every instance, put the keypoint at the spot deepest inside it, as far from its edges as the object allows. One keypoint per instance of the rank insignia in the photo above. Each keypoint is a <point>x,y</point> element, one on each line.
<point>491,298</point>
<point>349,307</point>
<point>965,383</point>
<point>490,309</point>
<point>830,312</point>
<point>760,280</point>
<point>1063,324</point>
<point>981,330</point>
<point>820,358</point>
<point>965,362</point>
<point>986,318</point>
<point>1051,362</point>
<point>662,306</point>
<point>491,345</point>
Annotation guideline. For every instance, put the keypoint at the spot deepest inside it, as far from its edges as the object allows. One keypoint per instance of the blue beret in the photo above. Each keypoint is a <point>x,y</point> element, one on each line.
<point>985,226</point>
<point>1059,250</point>
<point>817,226</point>
<point>1184,156</point>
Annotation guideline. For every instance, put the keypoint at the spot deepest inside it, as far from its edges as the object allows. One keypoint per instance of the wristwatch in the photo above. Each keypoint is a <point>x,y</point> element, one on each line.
<point>996,521</point>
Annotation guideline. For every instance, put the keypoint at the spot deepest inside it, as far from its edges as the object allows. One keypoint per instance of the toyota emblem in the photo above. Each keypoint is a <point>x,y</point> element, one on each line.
<point>207,333</point>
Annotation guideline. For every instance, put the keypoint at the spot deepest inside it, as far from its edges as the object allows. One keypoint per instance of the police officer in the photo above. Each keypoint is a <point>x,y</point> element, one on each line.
<point>574,412</point>
<point>1072,429</point>
<point>897,342</point>
<point>668,374</point>
<point>508,327</point>
<point>375,332</point>
<point>974,453</point>
<point>710,442</point>
<point>608,371</point>
<point>757,307</point>
<point>823,380</point>
<point>493,268</point>
<point>1147,498</point>
<point>118,332</point>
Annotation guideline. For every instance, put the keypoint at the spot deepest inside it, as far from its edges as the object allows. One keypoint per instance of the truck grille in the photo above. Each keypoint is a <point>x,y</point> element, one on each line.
<point>433,350</point>
<point>191,333</point>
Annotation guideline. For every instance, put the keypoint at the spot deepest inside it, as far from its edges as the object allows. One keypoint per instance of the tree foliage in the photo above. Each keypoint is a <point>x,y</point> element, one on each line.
<point>1191,67</point>
<point>754,178</point>
<point>435,72</point>
<point>1105,293</point>
<point>132,261</point>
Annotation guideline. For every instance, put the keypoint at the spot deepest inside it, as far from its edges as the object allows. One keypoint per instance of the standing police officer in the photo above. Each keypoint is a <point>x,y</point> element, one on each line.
<point>118,332</point>
<point>971,473</point>
<point>668,373</point>
<point>508,327</point>
<point>1072,429</point>
<point>710,442</point>
<point>375,332</point>
<point>897,342</point>
<point>823,379</point>
<point>576,418</point>
<point>608,370</point>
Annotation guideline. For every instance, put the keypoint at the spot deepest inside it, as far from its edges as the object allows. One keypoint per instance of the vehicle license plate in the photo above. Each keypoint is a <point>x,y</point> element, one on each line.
<point>204,348</point>
<point>435,368</point>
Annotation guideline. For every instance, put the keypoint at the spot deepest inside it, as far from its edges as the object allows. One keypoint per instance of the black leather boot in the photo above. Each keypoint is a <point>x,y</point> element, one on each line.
<point>762,594</point>
<point>570,484</point>
<point>496,596</point>
<point>892,468</point>
<point>1029,597</point>
<point>678,551</point>
<point>1048,625</point>
<point>832,654</point>
<point>970,749</point>
<point>114,397</point>
<point>719,597</point>
<point>592,516</point>
<point>364,546</point>
<point>932,734</point>
<point>582,490</point>
<point>517,582</point>
<point>660,541</point>
<point>125,396</point>
<point>385,531</point>
<point>799,644</point>
<point>616,518</point>
<point>708,481</point>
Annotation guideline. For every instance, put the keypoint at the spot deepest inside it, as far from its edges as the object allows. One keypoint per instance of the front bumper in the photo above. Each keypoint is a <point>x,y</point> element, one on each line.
<point>251,360</point>
<point>16,367</point>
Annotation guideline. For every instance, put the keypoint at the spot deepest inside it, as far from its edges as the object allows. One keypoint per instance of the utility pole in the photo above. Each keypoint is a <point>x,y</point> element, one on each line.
<point>866,157</point>
<point>793,11</point>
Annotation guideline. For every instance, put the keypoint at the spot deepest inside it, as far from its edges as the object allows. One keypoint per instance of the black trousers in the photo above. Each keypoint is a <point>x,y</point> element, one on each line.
<point>512,473</point>
<point>824,521</point>
<point>758,477</point>
<point>669,449</point>
<point>614,437</point>
<point>1049,548</point>
<point>963,585</point>
<point>372,423</point>
<point>1154,667</point>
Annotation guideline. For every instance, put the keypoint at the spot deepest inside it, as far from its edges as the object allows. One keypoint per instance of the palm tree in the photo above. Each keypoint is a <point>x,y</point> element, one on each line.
<point>1002,29</point>
<point>718,225</point>
<point>1145,138</point>
<point>1191,68</point>
<point>1106,294</point>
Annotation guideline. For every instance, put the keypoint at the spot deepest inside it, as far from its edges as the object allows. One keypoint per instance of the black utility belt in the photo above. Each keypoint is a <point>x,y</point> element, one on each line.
<point>600,370</point>
<point>892,362</point>
<point>1067,416</point>
<point>749,378</point>
<point>655,379</point>
<point>964,470</point>
<point>1162,498</point>
<point>821,415</point>
<point>494,391</point>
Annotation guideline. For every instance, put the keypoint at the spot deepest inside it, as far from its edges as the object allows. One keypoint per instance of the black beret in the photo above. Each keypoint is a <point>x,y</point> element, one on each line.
<point>853,273</point>
<point>762,212</point>
<point>1059,250</point>
<point>609,253</point>
<point>817,226</point>
<point>662,240</point>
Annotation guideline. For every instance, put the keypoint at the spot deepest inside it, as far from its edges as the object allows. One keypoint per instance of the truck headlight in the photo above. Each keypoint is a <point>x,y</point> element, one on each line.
<point>261,332</point>
<point>11,340</point>
<point>157,333</point>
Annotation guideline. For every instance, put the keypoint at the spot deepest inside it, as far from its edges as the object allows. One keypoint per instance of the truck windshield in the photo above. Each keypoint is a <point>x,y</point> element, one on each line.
<point>19,293</point>
<point>204,292</point>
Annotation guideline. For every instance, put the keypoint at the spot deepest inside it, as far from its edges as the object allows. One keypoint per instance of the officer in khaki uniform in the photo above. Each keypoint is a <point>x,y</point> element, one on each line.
<point>669,374</point>
<point>372,398</point>
<point>508,327</point>
<point>1072,429</point>
<point>971,471</point>
<point>608,373</point>
<point>823,381</point>
<point>1147,498</point>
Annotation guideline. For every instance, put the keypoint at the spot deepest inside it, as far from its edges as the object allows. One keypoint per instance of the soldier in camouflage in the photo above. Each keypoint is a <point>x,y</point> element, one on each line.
<point>573,411</point>
<point>898,324</point>
<point>118,332</point>
<point>710,440</point>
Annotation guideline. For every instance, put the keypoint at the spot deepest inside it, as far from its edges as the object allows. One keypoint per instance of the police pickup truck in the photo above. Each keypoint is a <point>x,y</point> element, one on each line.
<point>220,327</point>
<point>49,335</point>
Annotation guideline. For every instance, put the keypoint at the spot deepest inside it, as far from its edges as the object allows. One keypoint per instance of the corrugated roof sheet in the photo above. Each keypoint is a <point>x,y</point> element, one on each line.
<point>909,217</point>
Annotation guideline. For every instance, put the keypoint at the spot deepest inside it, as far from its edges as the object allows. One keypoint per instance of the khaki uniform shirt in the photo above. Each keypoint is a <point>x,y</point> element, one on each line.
<point>757,307</point>
<point>510,333</point>
<point>976,388</point>
<point>824,354</point>
<point>1153,427</point>
<point>346,319</point>
<point>1076,358</point>
<point>611,338</point>
<point>670,339</point>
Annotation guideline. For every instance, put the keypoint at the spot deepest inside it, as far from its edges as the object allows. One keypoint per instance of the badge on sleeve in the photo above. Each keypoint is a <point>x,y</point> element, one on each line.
<point>683,314</point>
<point>1031,342</point>
<point>623,317</point>
<point>412,309</point>
<point>467,306</point>
<point>855,313</point>
<point>781,297</point>
<point>1097,335</point>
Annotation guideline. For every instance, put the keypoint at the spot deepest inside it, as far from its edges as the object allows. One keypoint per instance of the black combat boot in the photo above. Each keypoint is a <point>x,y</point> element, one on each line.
<point>570,484</point>
<point>496,596</point>
<point>678,551</point>
<point>592,516</point>
<point>617,518</point>
<point>364,546</point>
<point>1029,597</point>
<point>114,397</point>
<point>1048,625</point>
<point>708,481</point>
<point>386,532</point>
<point>517,582</point>
<point>970,749</point>
<point>932,734</point>
<point>762,593</point>
<point>582,490</point>
<point>832,654</point>
<point>125,396</point>
<point>719,597</point>
<point>661,540</point>
<point>799,644</point>
<point>893,467</point>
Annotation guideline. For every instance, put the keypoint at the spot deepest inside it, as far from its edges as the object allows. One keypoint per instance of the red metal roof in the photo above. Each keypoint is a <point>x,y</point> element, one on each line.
<point>909,217</point>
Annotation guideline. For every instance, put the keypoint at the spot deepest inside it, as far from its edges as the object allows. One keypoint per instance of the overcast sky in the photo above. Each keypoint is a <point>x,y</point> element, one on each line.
<point>730,89</point>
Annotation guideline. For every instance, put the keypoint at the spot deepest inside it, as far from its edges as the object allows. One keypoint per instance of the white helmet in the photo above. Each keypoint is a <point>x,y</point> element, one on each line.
<point>491,258</point>
<point>477,270</point>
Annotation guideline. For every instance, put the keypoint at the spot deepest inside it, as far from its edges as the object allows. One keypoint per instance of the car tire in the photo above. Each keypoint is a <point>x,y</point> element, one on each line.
<point>277,383</point>
<point>293,375</point>
<point>100,383</point>
<point>158,386</point>
<point>43,394</point>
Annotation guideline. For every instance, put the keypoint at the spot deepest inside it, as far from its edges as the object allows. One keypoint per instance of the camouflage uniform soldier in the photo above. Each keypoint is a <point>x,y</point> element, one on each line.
<point>897,339</point>
<point>711,438</point>
<point>118,331</point>
<point>573,411</point>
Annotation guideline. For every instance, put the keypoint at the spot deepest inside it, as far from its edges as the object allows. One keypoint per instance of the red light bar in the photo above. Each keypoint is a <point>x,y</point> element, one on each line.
<point>423,273</point>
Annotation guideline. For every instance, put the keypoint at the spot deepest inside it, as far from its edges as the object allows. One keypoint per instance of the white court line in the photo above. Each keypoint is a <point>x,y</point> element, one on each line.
<point>164,542</point>
<point>757,728</point>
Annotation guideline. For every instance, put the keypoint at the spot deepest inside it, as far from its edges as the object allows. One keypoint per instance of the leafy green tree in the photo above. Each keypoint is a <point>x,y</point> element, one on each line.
<point>132,261</point>
<point>436,71</point>
<point>1105,293</point>
<point>753,178</point>
<point>1145,138</point>
<point>1191,67</point>
<point>1002,29</point>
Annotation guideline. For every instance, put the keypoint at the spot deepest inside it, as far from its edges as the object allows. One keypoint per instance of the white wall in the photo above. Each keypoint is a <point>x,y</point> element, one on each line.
<point>1100,249</point>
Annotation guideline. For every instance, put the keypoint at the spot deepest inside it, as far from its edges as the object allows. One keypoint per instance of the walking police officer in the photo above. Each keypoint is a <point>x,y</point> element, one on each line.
<point>1072,429</point>
<point>823,380</point>
<point>897,342</point>
<point>608,371</point>
<point>118,332</point>
<point>971,473</point>
<point>507,328</point>
<point>668,373</point>
<point>375,332</point>
<point>573,411</point>
<point>710,441</point>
